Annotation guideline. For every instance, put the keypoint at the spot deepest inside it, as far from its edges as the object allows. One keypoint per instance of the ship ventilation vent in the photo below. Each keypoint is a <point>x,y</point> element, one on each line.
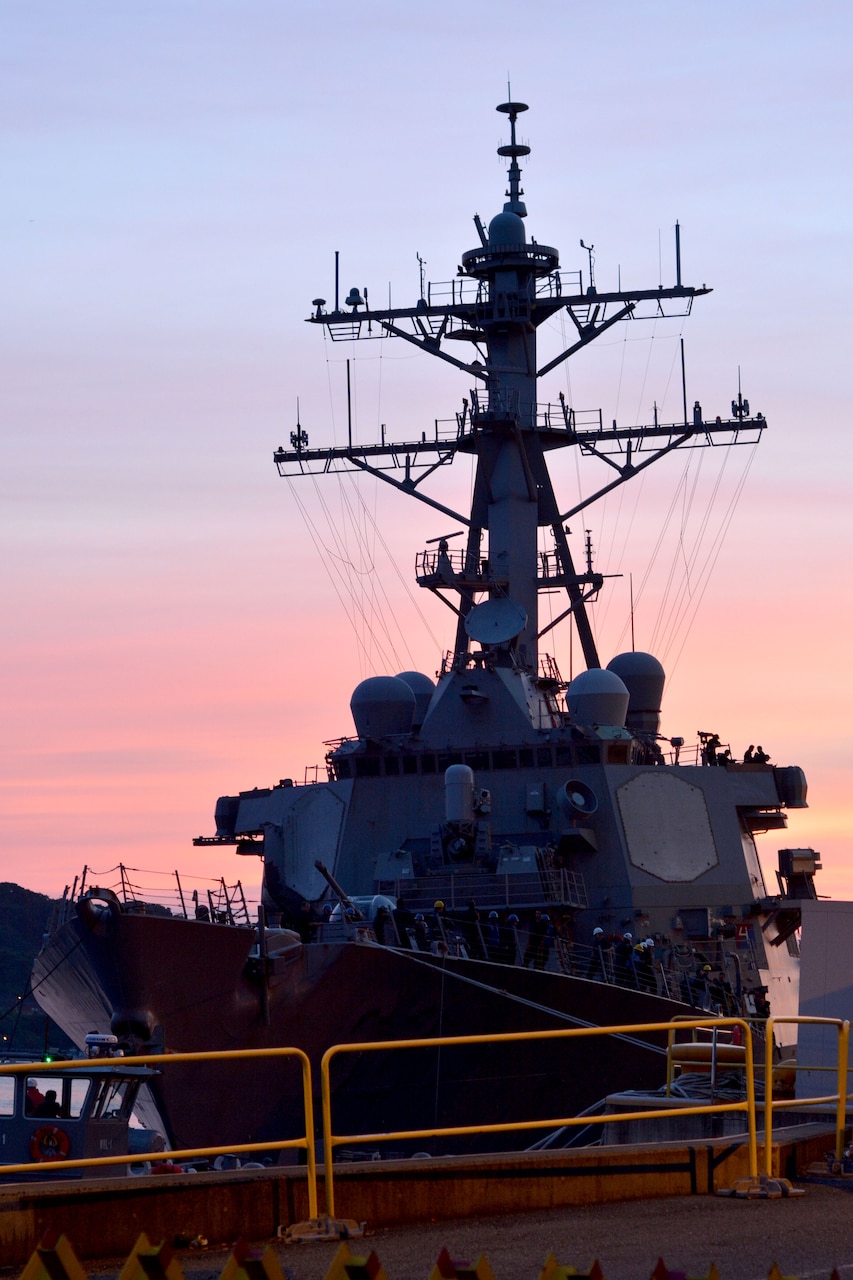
<point>577,799</point>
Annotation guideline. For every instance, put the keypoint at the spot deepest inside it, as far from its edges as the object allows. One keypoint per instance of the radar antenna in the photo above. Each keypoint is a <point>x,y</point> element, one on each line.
<point>740,407</point>
<point>298,438</point>
<point>514,204</point>
<point>507,286</point>
<point>590,250</point>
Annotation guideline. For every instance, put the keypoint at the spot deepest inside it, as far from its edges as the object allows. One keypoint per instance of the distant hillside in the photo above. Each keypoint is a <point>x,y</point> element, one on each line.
<point>23,1026</point>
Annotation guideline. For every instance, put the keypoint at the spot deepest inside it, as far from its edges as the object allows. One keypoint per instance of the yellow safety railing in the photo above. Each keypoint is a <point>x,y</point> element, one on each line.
<point>162,1061</point>
<point>332,1140</point>
<point>839,1098</point>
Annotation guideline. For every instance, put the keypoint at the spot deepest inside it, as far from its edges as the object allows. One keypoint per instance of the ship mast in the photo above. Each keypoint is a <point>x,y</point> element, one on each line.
<point>505,289</point>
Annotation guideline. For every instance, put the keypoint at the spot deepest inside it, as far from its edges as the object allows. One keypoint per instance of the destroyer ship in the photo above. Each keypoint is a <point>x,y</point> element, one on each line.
<point>494,849</point>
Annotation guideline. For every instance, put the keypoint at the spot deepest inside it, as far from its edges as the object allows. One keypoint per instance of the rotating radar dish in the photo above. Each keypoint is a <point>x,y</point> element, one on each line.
<point>496,621</point>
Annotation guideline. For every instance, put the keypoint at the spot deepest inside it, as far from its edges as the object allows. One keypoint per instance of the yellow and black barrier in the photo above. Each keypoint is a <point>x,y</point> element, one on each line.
<point>54,1259</point>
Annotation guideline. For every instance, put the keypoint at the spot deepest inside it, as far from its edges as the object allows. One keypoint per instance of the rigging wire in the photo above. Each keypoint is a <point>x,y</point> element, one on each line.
<point>724,529</point>
<point>395,566</point>
<point>348,550</point>
<point>668,611</point>
<point>364,523</point>
<point>356,582</point>
<point>649,568</point>
<point>638,498</point>
<point>334,561</point>
<point>616,558</point>
<point>669,620</point>
<point>511,997</point>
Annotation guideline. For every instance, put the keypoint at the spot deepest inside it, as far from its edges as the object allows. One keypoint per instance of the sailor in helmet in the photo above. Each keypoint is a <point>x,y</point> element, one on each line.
<point>598,968</point>
<point>421,932</point>
<point>493,936</point>
<point>624,954</point>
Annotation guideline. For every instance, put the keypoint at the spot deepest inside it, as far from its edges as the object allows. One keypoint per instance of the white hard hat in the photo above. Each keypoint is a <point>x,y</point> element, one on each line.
<point>628,937</point>
<point>595,931</point>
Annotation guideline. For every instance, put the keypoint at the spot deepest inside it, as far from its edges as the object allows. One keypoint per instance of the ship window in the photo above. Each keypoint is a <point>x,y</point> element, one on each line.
<point>543,756</point>
<point>503,759</point>
<point>110,1103</point>
<point>477,759</point>
<point>341,768</point>
<point>392,766</point>
<point>565,755</point>
<point>427,764</point>
<point>445,761</point>
<point>525,757</point>
<point>367,767</point>
<point>55,1097</point>
<point>7,1095</point>
<point>77,1101</point>
<point>410,764</point>
<point>589,755</point>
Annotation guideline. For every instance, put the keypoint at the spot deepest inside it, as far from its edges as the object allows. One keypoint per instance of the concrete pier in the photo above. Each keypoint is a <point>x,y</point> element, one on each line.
<point>104,1218</point>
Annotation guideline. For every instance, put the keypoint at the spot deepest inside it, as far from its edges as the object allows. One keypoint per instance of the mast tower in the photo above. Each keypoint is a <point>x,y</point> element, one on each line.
<point>505,288</point>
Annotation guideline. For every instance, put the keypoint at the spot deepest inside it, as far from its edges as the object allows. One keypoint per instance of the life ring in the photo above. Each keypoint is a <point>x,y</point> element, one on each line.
<point>49,1143</point>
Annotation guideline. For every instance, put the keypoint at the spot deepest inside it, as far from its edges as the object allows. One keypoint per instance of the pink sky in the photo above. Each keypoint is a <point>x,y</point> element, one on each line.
<point>177,181</point>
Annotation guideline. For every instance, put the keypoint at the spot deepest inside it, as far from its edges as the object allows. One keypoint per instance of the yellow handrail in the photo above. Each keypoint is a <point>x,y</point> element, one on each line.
<point>163,1060</point>
<point>839,1097</point>
<point>331,1140</point>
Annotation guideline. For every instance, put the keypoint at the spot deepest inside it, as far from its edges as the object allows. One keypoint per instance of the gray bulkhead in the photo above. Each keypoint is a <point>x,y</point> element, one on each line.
<point>659,838</point>
<point>669,836</point>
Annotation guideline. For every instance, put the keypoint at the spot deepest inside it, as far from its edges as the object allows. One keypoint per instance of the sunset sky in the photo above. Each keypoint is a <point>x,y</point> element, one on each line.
<point>178,621</point>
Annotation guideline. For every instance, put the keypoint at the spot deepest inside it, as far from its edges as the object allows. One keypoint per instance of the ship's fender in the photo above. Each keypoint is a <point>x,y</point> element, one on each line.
<point>49,1143</point>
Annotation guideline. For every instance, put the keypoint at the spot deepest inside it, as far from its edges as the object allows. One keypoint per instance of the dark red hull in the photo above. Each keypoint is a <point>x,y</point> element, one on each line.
<point>185,986</point>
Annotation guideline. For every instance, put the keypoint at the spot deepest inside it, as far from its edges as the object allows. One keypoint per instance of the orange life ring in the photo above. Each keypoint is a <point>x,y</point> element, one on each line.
<point>49,1143</point>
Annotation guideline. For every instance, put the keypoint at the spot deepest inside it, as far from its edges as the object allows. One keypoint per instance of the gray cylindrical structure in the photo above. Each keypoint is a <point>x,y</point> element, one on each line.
<point>423,688</point>
<point>644,678</point>
<point>459,793</point>
<point>382,706</point>
<point>597,697</point>
<point>505,230</point>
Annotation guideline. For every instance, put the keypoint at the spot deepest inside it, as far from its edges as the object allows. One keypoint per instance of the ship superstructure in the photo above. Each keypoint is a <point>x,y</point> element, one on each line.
<point>571,799</point>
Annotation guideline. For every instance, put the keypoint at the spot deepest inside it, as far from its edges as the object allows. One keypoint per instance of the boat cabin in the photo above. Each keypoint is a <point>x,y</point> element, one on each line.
<point>50,1115</point>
